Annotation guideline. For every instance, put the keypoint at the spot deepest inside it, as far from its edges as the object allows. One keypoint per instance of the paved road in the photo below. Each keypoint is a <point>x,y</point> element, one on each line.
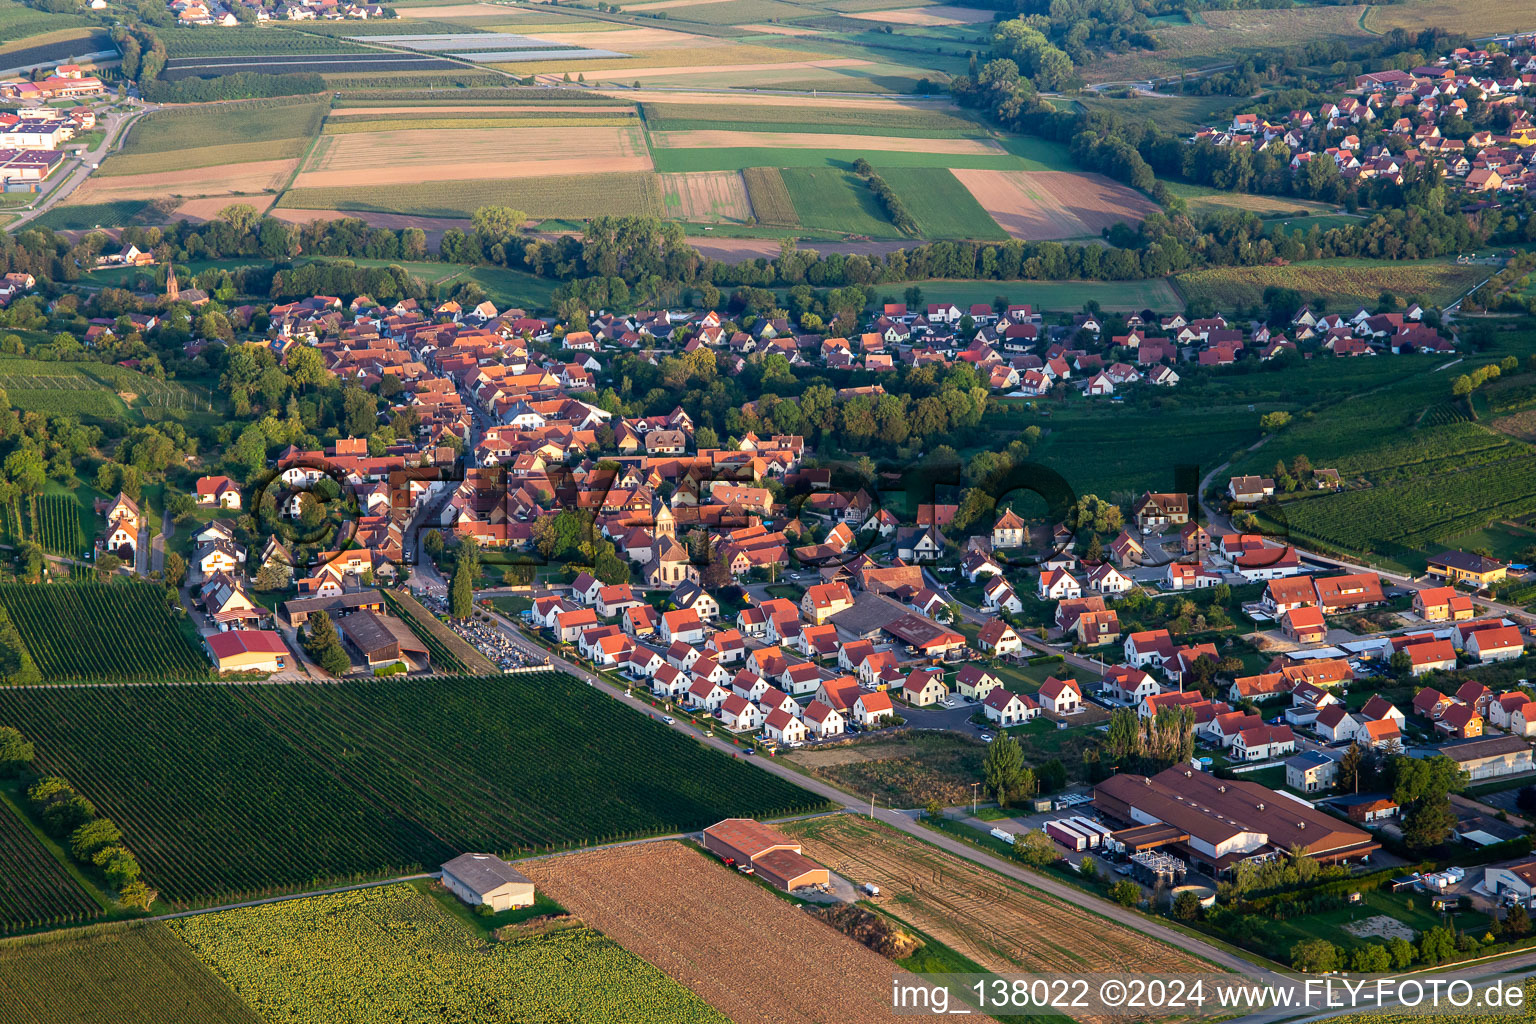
<point>115,124</point>
<point>903,821</point>
<point>157,546</point>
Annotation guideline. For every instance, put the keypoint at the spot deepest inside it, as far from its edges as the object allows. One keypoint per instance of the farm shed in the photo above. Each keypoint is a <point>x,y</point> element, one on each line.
<point>247,650</point>
<point>480,878</point>
<point>789,870</point>
<point>382,639</point>
<point>296,612</point>
<point>770,852</point>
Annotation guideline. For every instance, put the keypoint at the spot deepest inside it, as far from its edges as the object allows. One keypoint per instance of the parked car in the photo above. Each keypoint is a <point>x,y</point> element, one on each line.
<point>669,719</point>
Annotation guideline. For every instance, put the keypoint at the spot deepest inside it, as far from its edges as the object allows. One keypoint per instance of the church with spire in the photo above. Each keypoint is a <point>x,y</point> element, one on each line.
<point>175,293</point>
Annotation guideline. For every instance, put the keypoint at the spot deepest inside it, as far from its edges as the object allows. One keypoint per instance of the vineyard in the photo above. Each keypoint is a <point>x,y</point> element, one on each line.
<point>35,890</point>
<point>234,791</point>
<point>138,973</point>
<point>393,954</point>
<point>76,388</point>
<point>121,632</point>
<point>52,521</point>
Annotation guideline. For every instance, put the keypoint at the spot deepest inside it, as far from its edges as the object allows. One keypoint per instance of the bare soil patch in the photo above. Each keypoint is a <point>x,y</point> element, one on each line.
<point>208,207</point>
<point>707,197</point>
<point>1053,204</point>
<point>414,155</point>
<point>717,139</point>
<point>452,11</point>
<point>1521,425</point>
<point>939,16</point>
<point>905,772</point>
<point>1380,927</point>
<point>261,176</point>
<point>666,903</point>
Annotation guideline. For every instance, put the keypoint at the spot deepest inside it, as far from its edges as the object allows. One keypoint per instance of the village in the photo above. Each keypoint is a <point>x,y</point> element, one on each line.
<point>1422,117</point>
<point>733,590</point>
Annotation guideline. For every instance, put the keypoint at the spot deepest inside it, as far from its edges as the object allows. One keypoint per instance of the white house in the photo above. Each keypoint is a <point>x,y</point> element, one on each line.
<point>1008,708</point>
<point>1059,585</point>
<point>924,687</point>
<point>872,708</point>
<point>739,714</point>
<point>1060,695</point>
<point>823,720</point>
<point>784,727</point>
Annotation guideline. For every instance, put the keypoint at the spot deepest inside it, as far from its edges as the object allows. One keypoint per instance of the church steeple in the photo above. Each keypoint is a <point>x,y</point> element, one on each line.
<point>172,289</point>
<point>663,523</point>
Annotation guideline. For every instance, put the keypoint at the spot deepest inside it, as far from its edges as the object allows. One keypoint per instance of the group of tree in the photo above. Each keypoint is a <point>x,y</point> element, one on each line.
<point>466,573</point>
<point>1148,744</point>
<point>71,819</point>
<point>323,644</point>
<point>895,210</point>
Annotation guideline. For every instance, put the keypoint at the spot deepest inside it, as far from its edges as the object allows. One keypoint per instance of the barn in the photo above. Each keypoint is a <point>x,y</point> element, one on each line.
<point>769,852</point>
<point>480,878</point>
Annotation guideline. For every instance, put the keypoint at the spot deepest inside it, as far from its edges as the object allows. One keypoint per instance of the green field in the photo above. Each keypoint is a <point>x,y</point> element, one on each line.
<point>942,207</point>
<point>394,954</point>
<point>138,973</point>
<point>189,137</point>
<point>1054,296</point>
<point>741,157</point>
<point>102,631</point>
<point>120,214</point>
<point>19,23</point>
<point>439,122</point>
<point>576,196</point>
<point>664,116</point>
<point>1181,115</point>
<point>224,791</point>
<point>92,390</point>
<point>1341,282</point>
<point>829,199</point>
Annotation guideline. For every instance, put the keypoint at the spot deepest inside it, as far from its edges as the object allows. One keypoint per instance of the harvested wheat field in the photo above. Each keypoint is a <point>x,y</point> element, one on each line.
<point>208,207</point>
<point>262,176</point>
<point>745,101</point>
<point>780,30</point>
<point>1003,925</point>
<point>705,138</point>
<point>706,197</point>
<point>927,17</point>
<point>411,155</point>
<point>618,70</point>
<point>447,11</point>
<point>672,906</point>
<point>1053,204</point>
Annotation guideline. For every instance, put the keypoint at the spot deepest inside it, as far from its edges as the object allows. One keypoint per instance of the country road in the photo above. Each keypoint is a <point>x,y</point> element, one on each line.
<point>903,821</point>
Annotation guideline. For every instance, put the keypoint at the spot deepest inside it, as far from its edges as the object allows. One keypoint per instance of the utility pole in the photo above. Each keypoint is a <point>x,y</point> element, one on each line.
<point>871,805</point>
<point>973,798</point>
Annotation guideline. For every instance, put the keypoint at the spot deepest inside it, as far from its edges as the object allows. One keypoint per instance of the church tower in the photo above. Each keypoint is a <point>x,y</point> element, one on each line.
<point>172,289</point>
<point>663,523</point>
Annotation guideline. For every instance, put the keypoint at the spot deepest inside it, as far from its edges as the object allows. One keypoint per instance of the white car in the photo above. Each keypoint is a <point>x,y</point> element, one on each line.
<point>669,719</point>
<point>986,737</point>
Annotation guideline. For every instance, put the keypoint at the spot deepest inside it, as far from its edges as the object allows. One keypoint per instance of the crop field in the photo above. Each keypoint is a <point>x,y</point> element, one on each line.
<point>1340,282</point>
<point>102,631</point>
<point>202,137</point>
<point>252,40</point>
<point>407,959</point>
<point>135,973</point>
<point>88,389</point>
<point>555,196</point>
<point>51,47</point>
<point>660,116</point>
<point>1181,115</point>
<point>56,523</point>
<point>81,217</point>
<point>412,156</point>
<point>371,62</point>
<point>716,910</point>
<point>707,197</point>
<point>713,54</point>
<point>35,890</point>
<point>353,126</point>
<point>1003,925</point>
<point>770,198</point>
<point>936,16</point>
<point>1226,36</point>
<point>1211,200</point>
<point>1488,16</point>
<point>1060,296</point>
<point>830,199</point>
<point>1049,205</point>
<point>942,207</point>
<point>726,139</point>
<point>19,22</point>
<point>233,179</point>
<point>229,790</point>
